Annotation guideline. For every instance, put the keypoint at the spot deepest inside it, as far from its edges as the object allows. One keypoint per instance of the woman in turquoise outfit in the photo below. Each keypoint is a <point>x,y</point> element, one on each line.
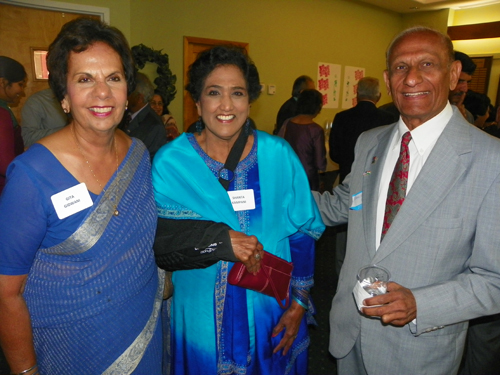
<point>218,328</point>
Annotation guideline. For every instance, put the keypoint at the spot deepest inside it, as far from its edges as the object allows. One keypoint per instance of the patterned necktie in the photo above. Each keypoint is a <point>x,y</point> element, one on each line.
<point>397,187</point>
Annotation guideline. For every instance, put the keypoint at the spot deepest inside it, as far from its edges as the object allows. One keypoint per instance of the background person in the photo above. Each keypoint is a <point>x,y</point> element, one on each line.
<point>349,124</point>
<point>41,116</point>
<point>287,110</point>
<point>144,123</point>
<point>457,95</point>
<point>12,83</point>
<point>217,327</point>
<point>157,103</point>
<point>306,137</point>
<point>80,292</point>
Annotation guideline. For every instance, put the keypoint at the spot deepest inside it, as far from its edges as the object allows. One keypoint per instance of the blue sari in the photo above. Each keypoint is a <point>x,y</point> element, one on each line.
<point>218,328</point>
<point>93,290</point>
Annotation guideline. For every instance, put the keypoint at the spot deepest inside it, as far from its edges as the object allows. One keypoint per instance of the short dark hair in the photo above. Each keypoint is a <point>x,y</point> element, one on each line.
<point>476,103</point>
<point>11,70</point>
<point>77,36</point>
<point>309,102</point>
<point>217,56</point>
<point>300,84</point>
<point>468,66</point>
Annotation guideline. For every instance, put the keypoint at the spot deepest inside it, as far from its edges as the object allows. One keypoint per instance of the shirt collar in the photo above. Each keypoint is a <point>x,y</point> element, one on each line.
<point>132,116</point>
<point>426,135</point>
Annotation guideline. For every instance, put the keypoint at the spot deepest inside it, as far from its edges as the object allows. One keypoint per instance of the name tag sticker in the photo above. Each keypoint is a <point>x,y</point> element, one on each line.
<point>357,201</point>
<point>242,199</point>
<point>70,201</point>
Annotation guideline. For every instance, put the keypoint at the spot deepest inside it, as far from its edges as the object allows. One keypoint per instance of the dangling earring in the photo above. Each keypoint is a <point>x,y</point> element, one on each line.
<point>199,125</point>
<point>247,127</point>
<point>126,105</point>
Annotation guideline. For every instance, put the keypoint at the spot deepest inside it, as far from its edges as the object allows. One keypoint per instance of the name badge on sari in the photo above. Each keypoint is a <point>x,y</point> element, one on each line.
<point>242,199</point>
<point>70,201</point>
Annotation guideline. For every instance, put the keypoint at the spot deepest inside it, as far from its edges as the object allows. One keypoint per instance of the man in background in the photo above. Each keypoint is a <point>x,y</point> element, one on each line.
<point>41,116</point>
<point>288,108</point>
<point>457,95</point>
<point>144,123</point>
<point>348,125</point>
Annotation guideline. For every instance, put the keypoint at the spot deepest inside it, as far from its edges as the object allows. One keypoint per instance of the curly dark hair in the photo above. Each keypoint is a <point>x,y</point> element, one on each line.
<point>210,59</point>
<point>77,36</point>
<point>309,102</point>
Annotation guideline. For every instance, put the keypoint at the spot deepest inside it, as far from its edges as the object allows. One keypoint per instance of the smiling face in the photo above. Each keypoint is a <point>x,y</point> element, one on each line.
<point>12,92</point>
<point>157,104</point>
<point>224,103</point>
<point>420,77</point>
<point>96,88</point>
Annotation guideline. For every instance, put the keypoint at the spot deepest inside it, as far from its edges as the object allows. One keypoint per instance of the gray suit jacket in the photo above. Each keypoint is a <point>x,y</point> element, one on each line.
<point>444,245</point>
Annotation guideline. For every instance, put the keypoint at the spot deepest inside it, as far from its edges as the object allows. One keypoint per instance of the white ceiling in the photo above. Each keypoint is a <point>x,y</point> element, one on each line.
<point>410,6</point>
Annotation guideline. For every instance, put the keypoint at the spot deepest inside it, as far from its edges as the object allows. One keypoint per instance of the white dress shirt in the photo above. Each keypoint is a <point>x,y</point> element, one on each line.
<point>423,139</point>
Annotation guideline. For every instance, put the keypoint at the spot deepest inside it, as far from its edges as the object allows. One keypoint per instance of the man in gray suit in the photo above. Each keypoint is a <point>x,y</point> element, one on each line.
<point>442,246</point>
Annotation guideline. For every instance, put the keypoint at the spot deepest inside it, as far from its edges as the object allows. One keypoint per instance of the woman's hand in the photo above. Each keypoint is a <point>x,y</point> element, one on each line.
<point>290,321</point>
<point>247,249</point>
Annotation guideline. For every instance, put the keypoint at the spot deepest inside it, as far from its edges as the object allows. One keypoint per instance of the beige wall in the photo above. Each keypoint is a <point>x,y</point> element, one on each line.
<point>436,19</point>
<point>287,39</point>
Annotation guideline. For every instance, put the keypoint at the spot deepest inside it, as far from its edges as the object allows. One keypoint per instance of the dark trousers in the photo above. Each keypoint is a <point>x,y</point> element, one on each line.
<point>482,350</point>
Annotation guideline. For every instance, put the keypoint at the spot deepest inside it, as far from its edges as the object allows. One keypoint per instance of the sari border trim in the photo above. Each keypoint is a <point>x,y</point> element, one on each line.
<point>96,221</point>
<point>128,361</point>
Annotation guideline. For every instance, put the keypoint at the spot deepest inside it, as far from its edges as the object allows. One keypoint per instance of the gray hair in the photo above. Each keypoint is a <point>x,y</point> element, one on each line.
<point>300,84</point>
<point>144,86</point>
<point>368,89</point>
<point>445,40</point>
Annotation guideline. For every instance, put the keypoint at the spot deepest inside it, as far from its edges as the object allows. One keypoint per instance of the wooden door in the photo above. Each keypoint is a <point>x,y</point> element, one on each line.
<point>21,30</point>
<point>192,47</point>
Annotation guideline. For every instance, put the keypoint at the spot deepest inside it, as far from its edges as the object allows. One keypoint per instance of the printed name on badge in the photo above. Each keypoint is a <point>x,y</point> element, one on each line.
<point>70,201</point>
<point>242,199</point>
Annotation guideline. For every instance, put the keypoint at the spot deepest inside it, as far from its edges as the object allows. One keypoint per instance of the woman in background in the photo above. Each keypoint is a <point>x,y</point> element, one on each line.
<point>158,105</point>
<point>80,292</point>
<point>306,137</point>
<point>12,83</point>
<point>218,328</point>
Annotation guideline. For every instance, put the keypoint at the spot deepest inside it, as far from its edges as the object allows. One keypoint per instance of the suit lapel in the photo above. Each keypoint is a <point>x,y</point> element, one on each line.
<point>373,172</point>
<point>439,174</point>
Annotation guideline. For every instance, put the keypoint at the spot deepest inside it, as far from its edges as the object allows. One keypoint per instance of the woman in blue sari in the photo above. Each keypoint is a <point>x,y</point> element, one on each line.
<point>80,292</point>
<point>218,328</point>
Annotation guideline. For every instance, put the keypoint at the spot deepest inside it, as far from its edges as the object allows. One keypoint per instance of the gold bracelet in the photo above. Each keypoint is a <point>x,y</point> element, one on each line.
<point>25,371</point>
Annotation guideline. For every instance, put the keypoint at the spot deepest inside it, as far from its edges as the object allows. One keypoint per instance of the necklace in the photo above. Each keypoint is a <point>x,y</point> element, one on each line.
<point>115,212</point>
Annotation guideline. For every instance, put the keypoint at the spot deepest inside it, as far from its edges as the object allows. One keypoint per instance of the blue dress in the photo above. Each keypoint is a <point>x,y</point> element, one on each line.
<point>218,328</point>
<point>93,289</point>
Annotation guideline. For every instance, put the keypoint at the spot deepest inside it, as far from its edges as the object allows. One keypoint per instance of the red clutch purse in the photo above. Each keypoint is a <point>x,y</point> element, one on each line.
<point>273,278</point>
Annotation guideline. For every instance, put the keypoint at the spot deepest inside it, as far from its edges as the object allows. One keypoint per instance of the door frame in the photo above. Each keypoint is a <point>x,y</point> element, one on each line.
<point>101,12</point>
<point>188,102</point>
